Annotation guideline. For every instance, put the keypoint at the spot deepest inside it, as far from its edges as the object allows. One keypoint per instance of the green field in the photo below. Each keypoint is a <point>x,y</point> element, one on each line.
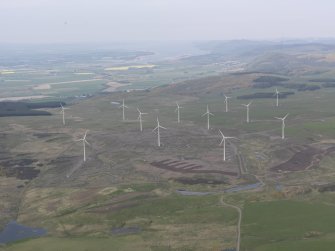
<point>288,225</point>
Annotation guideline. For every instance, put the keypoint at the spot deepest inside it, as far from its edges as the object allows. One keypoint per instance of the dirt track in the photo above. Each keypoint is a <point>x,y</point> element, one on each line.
<point>239,211</point>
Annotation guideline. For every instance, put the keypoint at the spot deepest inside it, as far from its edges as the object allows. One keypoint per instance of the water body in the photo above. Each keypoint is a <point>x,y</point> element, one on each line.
<point>126,230</point>
<point>279,187</point>
<point>15,232</point>
<point>229,190</point>
<point>243,188</point>
<point>191,193</point>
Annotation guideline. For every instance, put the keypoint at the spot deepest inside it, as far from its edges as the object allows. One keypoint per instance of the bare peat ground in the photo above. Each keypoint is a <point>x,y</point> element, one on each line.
<point>187,167</point>
<point>303,160</point>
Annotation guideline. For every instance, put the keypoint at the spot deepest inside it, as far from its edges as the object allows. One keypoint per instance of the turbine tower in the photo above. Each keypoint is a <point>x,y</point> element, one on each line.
<point>178,112</point>
<point>62,111</point>
<point>84,144</point>
<point>140,118</point>
<point>283,126</point>
<point>226,102</point>
<point>247,106</point>
<point>158,132</point>
<point>277,94</point>
<point>223,141</point>
<point>208,113</point>
<point>123,107</point>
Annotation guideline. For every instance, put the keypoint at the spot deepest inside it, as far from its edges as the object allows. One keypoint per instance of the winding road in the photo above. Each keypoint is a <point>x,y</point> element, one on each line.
<point>238,239</point>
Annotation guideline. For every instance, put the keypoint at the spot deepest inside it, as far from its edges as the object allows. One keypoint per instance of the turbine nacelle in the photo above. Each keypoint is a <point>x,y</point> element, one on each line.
<point>83,139</point>
<point>283,118</point>
<point>247,105</point>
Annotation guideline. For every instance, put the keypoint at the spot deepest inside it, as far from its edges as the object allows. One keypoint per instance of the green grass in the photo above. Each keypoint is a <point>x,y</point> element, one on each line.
<point>189,223</point>
<point>131,242</point>
<point>285,225</point>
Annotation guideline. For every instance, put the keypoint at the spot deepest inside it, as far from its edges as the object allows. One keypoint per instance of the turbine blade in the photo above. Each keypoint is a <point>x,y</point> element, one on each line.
<point>221,142</point>
<point>85,134</point>
<point>231,138</point>
<point>163,127</point>
<point>221,133</point>
<point>286,116</point>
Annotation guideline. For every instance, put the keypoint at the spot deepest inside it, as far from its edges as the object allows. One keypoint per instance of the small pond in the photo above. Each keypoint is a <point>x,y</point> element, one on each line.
<point>15,232</point>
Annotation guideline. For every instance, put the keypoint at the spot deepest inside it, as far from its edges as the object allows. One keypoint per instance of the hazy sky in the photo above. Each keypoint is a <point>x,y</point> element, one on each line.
<point>49,21</point>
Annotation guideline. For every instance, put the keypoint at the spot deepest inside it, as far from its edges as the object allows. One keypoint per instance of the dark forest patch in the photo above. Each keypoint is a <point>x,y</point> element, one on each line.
<point>327,188</point>
<point>10,108</point>
<point>322,80</point>
<point>328,85</point>
<point>270,79</point>
<point>265,95</point>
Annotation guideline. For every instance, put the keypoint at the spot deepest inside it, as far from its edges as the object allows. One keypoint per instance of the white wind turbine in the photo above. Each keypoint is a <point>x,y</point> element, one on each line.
<point>158,132</point>
<point>62,111</point>
<point>123,107</point>
<point>226,102</point>
<point>247,106</point>
<point>140,118</point>
<point>84,144</point>
<point>178,112</point>
<point>283,126</point>
<point>208,113</point>
<point>277,94</point>
<point>223,141</point>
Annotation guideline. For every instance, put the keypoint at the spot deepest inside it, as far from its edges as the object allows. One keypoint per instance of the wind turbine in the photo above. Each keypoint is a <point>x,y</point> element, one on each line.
<point>226,102</point>
<point>178,112</point>
<point>123,107</point>
<point>223,141</point>
<point>158,132</point>
<point>140,118</point>
<point>84,144</point>
<point>208,113</point>
<point>62,111</point>
<point>247,106</point>
<point>283,126</point>
<point>277,94</point>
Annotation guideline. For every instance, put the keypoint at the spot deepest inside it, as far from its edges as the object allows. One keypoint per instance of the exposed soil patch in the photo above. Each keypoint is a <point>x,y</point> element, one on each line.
<point>187,167</point>
<point>303,160</point>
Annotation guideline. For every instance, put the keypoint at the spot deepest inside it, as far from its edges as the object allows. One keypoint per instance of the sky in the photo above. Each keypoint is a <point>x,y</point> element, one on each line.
<point>100,21</point>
